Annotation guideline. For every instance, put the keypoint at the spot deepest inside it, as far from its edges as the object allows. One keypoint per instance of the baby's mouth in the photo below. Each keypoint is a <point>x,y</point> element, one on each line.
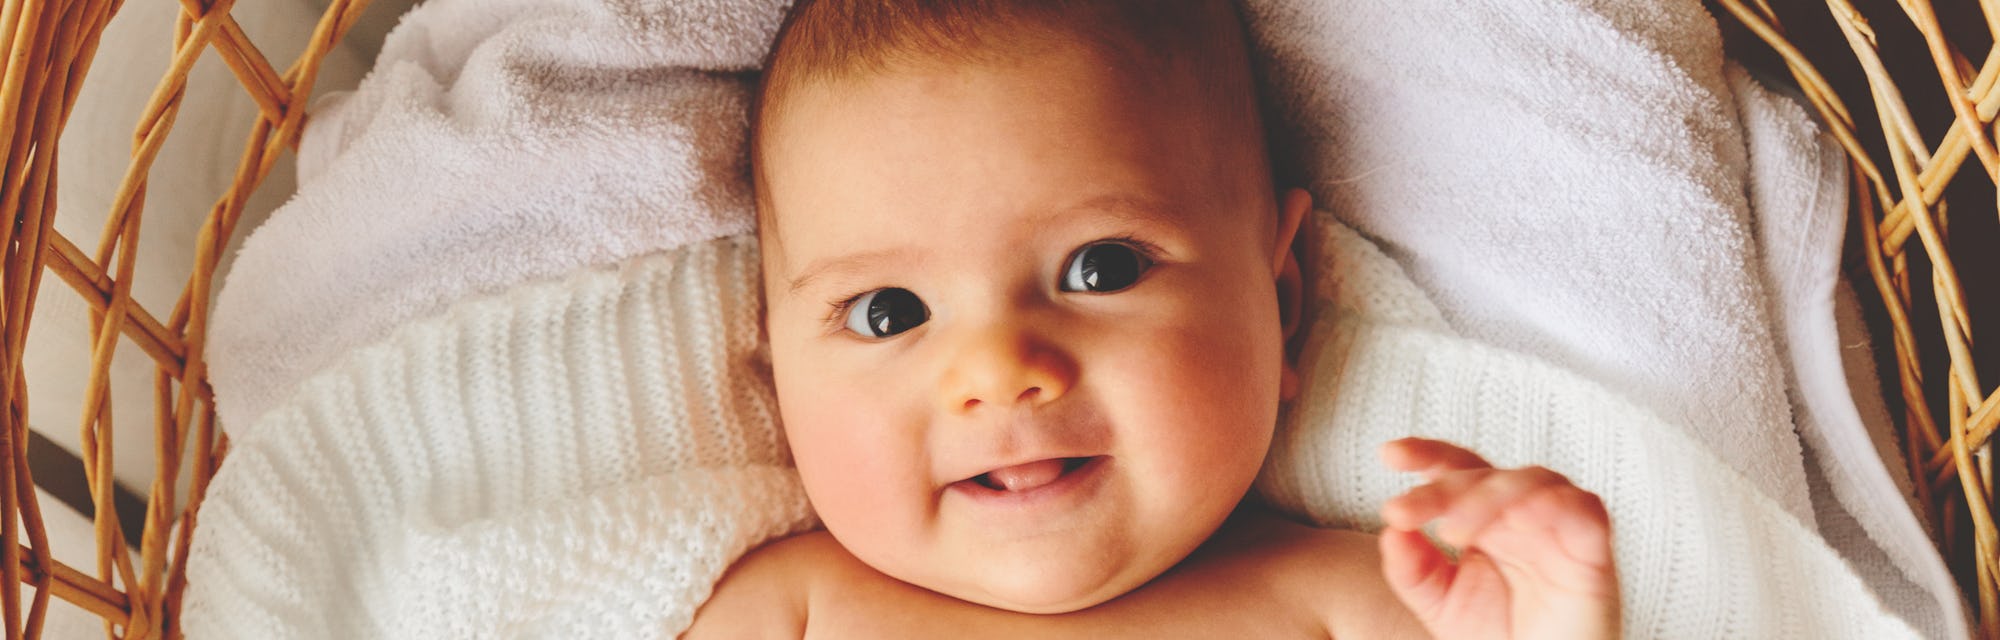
<point>1029,475</point>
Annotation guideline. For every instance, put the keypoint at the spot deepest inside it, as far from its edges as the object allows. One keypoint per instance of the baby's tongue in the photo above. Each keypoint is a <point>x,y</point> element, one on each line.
<point>1022,477</point>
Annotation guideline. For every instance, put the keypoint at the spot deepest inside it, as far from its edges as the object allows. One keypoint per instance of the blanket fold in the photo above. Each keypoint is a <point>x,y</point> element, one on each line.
<point>575,458</point>
<point>496,143</point>
<point>1701,553</point>
<point>1863,501</point>
<point>1564,178</point>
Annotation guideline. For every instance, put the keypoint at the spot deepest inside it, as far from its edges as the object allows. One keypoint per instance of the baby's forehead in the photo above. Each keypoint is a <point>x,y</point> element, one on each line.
<point>834,51</point>
<point>823,42</point>
<point>927,73</point>
<point>821,38</point>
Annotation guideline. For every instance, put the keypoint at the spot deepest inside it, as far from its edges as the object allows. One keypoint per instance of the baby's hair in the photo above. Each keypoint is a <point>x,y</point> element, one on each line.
<point>822,40</point>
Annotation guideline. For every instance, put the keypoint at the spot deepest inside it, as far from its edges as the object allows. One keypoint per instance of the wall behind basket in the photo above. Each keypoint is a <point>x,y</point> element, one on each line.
<point>194,168</point>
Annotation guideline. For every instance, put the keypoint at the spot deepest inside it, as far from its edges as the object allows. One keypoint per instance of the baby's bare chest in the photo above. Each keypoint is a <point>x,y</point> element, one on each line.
<point>1175,606</point>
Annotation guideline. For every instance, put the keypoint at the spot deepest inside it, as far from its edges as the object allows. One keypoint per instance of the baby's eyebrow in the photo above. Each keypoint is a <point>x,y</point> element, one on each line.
<point>1128,206</point>
<point>1120,205</point>
<point>849,262</point>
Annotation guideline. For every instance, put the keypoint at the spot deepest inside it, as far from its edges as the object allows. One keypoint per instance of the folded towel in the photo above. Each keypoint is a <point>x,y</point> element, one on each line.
<point>1565,178</point>
<point>1586,181</point>
<point>496,142</point>
<point>1861,491</point>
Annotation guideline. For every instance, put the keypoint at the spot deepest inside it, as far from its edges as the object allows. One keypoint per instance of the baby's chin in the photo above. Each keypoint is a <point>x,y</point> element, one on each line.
<point>1049,588</point>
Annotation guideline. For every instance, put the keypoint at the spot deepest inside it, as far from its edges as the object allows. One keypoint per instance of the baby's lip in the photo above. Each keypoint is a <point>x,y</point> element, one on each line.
<point>1028,475</point>
<point>1035,485</point>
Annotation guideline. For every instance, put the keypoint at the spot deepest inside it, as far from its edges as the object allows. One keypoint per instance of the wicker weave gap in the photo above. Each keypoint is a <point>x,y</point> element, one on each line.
<point>96,288</point>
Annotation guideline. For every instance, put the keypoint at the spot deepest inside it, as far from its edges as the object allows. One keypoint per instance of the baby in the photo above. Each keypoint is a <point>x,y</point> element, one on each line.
<point>1028,285</point>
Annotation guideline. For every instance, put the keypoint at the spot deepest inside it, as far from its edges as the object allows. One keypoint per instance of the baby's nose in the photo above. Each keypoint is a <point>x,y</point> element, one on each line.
<point>1005,368</point>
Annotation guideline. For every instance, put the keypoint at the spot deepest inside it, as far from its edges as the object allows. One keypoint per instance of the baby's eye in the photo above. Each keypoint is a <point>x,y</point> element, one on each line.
<point>886,312</point>
<point>1103,268</point>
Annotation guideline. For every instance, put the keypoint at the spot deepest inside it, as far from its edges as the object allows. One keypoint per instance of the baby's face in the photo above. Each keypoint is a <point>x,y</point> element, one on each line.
<point>1023,324</point>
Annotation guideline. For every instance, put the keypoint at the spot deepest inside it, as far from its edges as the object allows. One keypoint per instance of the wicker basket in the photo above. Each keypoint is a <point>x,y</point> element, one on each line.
<point>1901,229</point>
<point>50,45</point>
<point>1901,214</point>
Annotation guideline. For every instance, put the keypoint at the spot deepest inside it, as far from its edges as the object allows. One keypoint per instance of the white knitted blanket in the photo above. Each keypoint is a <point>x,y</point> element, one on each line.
<point>577,458</point>
<point>1701,552</point>
<point>584,457</point>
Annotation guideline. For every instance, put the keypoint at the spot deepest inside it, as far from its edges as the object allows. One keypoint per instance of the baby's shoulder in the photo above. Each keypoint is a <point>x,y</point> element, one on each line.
<point>764,594</point>
<point>1335,573</point>
<point>1286,555</point>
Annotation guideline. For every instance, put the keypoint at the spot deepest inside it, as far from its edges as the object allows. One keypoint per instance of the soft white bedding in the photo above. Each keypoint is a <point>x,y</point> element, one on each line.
<point>1863,501</point>
<point>487,472</point>
<point>1591,182</point>
<point>1564,178</point>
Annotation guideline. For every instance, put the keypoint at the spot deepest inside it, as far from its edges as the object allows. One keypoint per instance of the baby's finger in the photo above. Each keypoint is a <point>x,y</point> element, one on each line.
<point>1562,538</point>
<point>1572,518</point>
<point>1483,504</point>
<point>1419,573</point>
<point>1429,456</point>
<point>1428,501</point>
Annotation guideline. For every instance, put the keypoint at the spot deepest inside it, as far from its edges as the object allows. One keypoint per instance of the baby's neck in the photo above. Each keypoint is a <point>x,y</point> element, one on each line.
<point>1259,576</point>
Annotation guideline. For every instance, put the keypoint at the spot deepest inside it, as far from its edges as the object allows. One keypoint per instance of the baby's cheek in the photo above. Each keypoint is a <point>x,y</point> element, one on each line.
<point>1202,387</point>
<point>1219,375</point>
<point>856,468</point>
<point>831,443</point>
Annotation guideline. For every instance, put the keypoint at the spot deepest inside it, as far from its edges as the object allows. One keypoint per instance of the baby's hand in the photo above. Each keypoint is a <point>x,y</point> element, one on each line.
<point>1534,555</point>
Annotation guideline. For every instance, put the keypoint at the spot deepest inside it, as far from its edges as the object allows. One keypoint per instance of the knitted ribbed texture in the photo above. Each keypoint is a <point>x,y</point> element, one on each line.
<point>1701,552</point>
<point>583,458</point>
<point>579,458</point>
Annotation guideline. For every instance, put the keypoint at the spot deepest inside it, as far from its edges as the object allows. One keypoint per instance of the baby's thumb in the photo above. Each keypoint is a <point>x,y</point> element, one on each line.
<point>1418,573</point>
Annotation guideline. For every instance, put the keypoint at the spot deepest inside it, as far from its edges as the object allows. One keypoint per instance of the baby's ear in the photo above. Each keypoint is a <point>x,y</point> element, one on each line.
<point>1292,210</point>
<point>1293,205</point>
